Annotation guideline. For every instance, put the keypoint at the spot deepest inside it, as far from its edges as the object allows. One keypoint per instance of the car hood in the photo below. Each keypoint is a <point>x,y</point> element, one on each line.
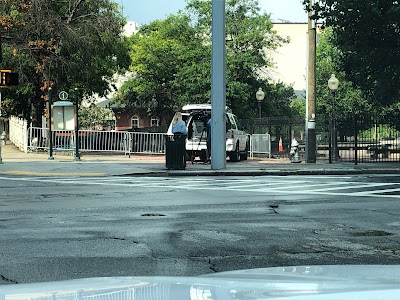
<point>294,283</point>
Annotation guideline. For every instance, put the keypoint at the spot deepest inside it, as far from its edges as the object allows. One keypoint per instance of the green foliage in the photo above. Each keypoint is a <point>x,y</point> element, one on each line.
<point>378,132</point>
<point>298,107</point>
<point>348,99</point>
<point>161,53</point>
<point>62,44</point>
<point>172,61</point>
<point>95,117</point>
<point>367,33</point>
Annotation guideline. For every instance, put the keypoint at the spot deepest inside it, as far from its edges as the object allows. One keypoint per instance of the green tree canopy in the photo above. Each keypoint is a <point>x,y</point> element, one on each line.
<point>62,44</point>
<point>95,117</point>
<point>161,53</point>
<point>349,99</point>
<point>367,32</point>
<point>172,60</point>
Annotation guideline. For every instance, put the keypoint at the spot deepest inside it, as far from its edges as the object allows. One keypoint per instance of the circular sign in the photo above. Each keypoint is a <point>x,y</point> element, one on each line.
<point>63,95</point>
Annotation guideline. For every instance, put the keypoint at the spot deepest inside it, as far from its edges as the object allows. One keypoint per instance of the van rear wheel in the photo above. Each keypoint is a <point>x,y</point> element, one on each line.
<point>243,156</point>
<point>235,155</point>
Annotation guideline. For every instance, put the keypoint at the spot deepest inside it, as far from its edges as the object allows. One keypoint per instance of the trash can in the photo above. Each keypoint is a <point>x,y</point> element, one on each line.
<point>175,151</point>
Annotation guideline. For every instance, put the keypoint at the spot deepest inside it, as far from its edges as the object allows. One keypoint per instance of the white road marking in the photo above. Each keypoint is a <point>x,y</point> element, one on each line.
<point>271,184</point>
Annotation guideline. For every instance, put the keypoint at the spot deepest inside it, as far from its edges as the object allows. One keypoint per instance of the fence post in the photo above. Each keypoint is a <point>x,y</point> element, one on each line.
<point>355,139</point>
<point>26,136</point>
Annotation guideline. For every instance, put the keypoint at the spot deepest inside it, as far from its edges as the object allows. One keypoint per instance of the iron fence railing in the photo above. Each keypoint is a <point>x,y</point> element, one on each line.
<point>368,138</point>
<point>357,139</point>
<point>97,141</point>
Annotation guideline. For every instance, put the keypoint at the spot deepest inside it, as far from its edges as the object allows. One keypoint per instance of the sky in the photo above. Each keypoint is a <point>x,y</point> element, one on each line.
<point>146,11</point>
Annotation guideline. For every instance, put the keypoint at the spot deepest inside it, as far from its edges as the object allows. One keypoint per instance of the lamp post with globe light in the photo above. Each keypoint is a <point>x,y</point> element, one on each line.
<point>260,98</point>
<point>333,84</point>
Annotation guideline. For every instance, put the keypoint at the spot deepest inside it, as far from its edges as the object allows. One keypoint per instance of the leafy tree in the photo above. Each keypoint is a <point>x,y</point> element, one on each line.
<point>62,44</point>
<point>172,60</point>
<point>249,35</point>
<point>367,32</point>
<point>349,99</point>
<point>160,54</point>
<point>95,117</point>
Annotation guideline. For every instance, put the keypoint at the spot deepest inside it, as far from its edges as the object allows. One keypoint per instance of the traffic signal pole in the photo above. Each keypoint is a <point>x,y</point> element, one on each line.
<point>1,48</point>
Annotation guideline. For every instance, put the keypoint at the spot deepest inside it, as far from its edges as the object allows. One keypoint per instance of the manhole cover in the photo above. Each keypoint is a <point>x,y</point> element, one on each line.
<point>371,233</point>
<point>153,215</point>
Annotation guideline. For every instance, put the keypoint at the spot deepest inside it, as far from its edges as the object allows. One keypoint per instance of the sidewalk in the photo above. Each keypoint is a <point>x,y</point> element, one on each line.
<point>18,163</point>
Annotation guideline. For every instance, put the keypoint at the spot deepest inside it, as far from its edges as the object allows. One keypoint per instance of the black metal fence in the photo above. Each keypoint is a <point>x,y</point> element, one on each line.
<point>356,139</point>
<point>368,138</point>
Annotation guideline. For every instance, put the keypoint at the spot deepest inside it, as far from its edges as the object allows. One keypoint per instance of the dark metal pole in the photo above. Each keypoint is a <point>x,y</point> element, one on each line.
<point>50,95</point>
<point>77,142</point>
<point>1,48</point>
<point>335,154</point>
<point>259,109</point>
<point>355,139</point>
<point>330,139</point>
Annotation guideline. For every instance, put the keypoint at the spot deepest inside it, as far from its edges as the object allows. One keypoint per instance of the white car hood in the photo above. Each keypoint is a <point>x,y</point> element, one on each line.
<point>294,283</point>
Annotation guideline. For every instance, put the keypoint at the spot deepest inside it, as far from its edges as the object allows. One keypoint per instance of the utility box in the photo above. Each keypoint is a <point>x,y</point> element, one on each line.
<point>64,114</point>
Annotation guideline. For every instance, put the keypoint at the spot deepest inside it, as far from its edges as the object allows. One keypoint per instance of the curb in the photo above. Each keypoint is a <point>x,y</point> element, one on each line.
<point>214,173</point>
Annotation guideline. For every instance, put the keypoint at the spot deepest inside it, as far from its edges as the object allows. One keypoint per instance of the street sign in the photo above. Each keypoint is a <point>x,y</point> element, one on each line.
<point>63,95</point>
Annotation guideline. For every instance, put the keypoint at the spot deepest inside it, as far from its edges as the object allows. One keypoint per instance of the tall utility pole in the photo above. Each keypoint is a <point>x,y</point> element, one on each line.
<point>311,143</point>
<point>218,87</point>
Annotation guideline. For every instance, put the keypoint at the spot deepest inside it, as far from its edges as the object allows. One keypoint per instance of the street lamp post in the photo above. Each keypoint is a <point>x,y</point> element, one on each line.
<point>50,102</point>
<point>260,97</point>
<point>77,157</point>
<point>333,84</point>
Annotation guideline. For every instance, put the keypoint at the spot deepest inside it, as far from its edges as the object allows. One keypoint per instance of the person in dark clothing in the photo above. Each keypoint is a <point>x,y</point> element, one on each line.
<point>208,150</point>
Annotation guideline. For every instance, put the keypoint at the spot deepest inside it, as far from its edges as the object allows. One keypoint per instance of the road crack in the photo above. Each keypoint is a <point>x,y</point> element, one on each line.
<point>8,280</point>
<point>274,207</point>
<point>123,239</point>
<point>212,265</point>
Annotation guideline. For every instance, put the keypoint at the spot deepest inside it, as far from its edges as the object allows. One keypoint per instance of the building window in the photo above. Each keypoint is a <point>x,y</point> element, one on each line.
<point>135,122</point>
<point>154,122</point>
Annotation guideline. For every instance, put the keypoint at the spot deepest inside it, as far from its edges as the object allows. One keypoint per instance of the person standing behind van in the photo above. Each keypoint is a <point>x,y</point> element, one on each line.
<point>178,125</point>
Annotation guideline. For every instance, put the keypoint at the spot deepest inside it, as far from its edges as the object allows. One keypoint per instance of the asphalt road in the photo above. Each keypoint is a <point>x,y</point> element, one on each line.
<point>55,228</point>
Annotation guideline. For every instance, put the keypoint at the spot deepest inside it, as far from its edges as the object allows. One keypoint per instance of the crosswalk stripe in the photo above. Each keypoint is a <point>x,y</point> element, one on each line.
<point>351,185</point>
<point>389,190</point>
<point>269,184</point>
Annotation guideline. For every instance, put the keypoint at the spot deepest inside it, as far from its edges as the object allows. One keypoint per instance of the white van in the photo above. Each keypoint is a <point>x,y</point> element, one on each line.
<point>196,117</point>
